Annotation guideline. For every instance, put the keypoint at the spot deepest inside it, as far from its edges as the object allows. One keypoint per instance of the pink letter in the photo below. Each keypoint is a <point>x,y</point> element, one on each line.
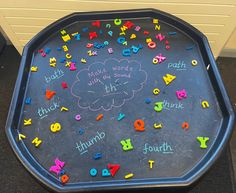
<point>181,94</point>
<point>57,168</point>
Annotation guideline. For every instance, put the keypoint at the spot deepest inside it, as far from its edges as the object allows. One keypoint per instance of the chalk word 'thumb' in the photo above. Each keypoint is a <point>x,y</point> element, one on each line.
<point>84,146</point>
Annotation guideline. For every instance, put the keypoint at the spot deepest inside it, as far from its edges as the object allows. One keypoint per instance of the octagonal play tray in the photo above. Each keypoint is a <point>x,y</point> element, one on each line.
<point>116,100</point>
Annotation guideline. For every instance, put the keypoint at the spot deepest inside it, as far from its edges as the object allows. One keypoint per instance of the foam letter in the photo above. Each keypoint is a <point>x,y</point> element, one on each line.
<point>126,144</point>
<point>203,141</point>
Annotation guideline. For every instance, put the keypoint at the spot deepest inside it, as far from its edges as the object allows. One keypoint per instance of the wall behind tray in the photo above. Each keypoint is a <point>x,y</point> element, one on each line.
<point>229,49</point>
<point>21,20</point>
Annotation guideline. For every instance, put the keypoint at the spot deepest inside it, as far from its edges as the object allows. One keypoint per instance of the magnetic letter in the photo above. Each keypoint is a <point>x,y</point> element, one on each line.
<point>126,144</point>
<point>168,78</point>
<point>203,141</point>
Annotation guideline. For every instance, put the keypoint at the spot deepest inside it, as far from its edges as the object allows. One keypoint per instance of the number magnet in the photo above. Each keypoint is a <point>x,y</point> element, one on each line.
<point>55,127</point>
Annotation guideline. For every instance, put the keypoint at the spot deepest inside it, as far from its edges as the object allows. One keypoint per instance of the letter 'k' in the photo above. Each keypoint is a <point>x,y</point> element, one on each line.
<point>27,122</point>
<point>57,168</point>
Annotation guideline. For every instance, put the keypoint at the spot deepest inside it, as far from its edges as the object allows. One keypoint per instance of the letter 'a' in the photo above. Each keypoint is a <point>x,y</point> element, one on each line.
<point>168,78</point>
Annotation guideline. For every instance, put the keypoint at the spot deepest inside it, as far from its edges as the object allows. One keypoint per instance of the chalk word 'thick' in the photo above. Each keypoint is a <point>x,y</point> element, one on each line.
<point>43,111</point>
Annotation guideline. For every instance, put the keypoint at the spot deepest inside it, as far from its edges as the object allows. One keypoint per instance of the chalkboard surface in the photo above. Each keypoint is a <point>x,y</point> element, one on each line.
<point>118,100</point>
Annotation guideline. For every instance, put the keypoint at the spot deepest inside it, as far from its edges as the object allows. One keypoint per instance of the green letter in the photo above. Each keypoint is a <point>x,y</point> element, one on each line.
<point>126,144</point>
<point>203,141</point>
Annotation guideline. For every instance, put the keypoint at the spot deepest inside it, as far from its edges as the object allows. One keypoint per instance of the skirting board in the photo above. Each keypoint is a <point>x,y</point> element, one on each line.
<point>228,53</point>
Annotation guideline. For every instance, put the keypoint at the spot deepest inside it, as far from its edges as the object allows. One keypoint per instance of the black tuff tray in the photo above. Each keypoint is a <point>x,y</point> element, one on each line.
<point>140,82</point>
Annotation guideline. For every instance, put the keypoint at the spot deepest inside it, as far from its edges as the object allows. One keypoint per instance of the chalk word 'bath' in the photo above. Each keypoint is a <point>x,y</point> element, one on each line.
<point>58,73</point>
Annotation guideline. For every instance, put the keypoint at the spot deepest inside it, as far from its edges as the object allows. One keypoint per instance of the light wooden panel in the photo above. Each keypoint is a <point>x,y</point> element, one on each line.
<point>230,47</point>
<point>21,20</point>
<point>231,44</point>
